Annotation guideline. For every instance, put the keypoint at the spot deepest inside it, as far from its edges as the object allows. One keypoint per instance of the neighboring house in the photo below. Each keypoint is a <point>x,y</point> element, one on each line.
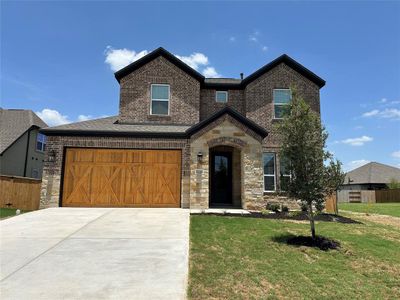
<point>179,140</point>
<point>372,176</point>
<point>21,145</point>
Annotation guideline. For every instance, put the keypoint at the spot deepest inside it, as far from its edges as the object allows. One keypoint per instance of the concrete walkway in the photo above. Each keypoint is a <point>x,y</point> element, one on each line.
<point>95,253</point>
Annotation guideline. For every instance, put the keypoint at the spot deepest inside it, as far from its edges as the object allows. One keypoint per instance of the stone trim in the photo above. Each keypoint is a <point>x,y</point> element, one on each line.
<point>229,141</point>
<point>222,119</point>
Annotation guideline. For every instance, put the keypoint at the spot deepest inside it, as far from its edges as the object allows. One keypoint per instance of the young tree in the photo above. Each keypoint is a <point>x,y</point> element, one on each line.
<point>303,147</point>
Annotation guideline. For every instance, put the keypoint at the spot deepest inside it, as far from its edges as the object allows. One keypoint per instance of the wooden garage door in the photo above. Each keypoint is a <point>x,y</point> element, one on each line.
<point>121,178</point>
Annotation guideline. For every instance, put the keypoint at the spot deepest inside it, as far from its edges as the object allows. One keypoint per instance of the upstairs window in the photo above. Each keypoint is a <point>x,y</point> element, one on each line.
<point>41,142</point>
<point>159,99</point>
<point>269,172</point>
<point>281,99</point>
<point>285,175</point>
<point>221,96</point>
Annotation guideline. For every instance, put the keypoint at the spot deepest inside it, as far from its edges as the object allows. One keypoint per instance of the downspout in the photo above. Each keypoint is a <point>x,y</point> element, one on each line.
<point>27,150</point>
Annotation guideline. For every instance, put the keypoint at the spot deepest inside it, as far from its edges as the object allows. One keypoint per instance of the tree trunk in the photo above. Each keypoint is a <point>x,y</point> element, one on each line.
<point>311,217</point>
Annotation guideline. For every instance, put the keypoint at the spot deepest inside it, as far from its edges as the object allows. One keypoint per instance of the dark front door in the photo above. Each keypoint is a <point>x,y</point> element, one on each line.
<point>221,179</point>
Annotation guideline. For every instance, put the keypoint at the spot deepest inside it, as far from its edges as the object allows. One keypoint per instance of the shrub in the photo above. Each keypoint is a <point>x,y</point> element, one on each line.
<point>273,206</point>
<point>285,208</point>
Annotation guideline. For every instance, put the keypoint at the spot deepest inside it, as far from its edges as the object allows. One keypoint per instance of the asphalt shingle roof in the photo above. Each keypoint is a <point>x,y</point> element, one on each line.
<point>14,122</point>
<point>109,124</point>
<point>372,172</point>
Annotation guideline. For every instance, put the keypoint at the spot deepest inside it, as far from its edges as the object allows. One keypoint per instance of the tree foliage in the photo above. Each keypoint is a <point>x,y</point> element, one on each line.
<point>394,184</point>
<point>314,172</point>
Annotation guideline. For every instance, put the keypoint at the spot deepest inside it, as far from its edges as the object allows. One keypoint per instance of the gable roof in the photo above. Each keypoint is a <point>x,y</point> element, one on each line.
<point>372,172</point>
<point>14,123</point>
<point>234,114</point>
<point>227,83</point>
<point>152,55</point>
<point>286,59</point>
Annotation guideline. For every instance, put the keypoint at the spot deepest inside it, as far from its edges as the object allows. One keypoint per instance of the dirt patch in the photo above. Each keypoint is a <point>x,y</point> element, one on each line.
<point>320,242</point>
<point>381,219</point>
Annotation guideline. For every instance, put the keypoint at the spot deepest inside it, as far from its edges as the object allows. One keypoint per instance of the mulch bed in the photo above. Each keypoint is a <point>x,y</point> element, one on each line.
<point>300,216</point>
<point>323,243</point>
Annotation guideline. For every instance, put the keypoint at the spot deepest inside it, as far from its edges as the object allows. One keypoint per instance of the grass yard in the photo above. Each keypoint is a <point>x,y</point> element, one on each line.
<point>240,258</point>
<point>390,209</point>
<point>8,212</point>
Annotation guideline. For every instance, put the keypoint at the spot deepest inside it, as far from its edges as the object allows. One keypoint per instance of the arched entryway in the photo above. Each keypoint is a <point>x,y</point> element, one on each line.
<point>225,177</point>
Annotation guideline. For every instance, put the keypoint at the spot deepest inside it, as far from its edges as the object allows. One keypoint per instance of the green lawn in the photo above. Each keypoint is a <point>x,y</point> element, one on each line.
<point>238,258</point>
<point>390,209</point>
<point>8,212</point>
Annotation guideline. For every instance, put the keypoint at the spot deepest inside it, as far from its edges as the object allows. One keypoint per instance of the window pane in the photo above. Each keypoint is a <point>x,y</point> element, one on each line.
<point>269,183</point>
<point>159,107</point>
<point>221,96</point>
<point>160,92</point>
<point>282,96</point>
<point>269,163</point>
<point>281,111</point>
<point>39,146</point>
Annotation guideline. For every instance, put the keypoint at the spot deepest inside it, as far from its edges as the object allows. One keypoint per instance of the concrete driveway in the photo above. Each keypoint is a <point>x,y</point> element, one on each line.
<point>95,253</point>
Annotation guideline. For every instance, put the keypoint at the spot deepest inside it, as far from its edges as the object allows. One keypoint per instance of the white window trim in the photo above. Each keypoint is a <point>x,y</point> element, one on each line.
<point>166,100</point>
<point>270,175</point>
<point>225,92</point>
<point>280,104</point>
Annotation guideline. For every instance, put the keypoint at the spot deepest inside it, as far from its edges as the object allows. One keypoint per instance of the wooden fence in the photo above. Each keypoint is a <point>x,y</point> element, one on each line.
<point>331,204</point>
<point>387,196</point>
<point>19,192</point>
<point>356,196</point>
<point>367,196</point>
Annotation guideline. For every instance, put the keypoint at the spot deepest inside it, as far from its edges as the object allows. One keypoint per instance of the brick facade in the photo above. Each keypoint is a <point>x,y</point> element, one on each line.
<point>208,105</point>
<point>135,94</point>
<point>190,103</point>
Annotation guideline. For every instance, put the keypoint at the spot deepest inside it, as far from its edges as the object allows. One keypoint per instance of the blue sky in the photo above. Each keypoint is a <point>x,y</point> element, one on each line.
<point>57,58</point>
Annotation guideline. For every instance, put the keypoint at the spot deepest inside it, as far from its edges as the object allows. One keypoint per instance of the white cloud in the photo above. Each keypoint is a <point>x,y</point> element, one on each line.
<point>194,60</point>
<point>383,100</point>
<point>119,58</point>
<point>52,117</point>
<point>371,113</point>
<point>358,141</point>
<point>232,39</point>
<point>254,36</point>
<point>355,164</point>
<point>82,118</point>
<point>264,48</point>
<point>390,113</point>
<point>387,113</point>
<point>396,154</point>
<point>211,72</point>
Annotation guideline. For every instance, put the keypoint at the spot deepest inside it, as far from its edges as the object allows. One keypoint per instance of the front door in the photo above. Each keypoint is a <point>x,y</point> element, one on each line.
<point>221,179</point>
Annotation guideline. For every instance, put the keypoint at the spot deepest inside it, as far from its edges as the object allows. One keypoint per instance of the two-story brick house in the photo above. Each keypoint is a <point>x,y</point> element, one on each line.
<point>179,140</point>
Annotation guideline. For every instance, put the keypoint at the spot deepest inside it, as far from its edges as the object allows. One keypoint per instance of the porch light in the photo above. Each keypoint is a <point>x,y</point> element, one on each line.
<point>200,157</point>
<point>51,156</point>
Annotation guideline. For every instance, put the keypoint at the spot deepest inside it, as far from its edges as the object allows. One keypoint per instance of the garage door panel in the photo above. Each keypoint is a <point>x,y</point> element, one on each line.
<point>122,178</point>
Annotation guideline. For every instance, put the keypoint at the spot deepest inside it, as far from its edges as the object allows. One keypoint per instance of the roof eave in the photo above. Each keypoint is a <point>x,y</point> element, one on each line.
<point>109,133</point>
<point>236,115</point>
